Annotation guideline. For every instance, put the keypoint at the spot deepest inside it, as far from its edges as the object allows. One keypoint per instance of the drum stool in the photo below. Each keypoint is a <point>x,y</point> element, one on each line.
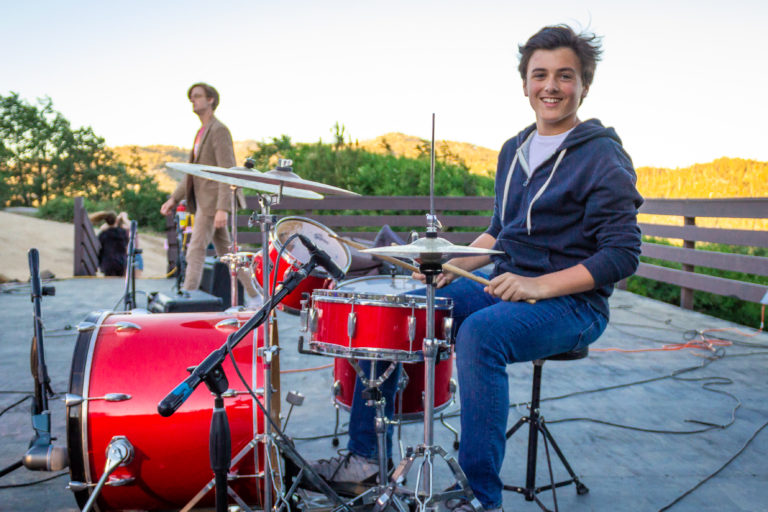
<point>536,426</point>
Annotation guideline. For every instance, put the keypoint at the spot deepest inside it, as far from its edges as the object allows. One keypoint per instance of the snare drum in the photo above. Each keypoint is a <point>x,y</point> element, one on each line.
<point>366,325</point>
<point>295,255</point>
<point>409,401</point>
<point>144,356</point>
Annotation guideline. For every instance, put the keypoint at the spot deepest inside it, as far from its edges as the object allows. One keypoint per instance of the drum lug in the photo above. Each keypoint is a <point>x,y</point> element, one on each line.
<point>448,329</point>
<point>86,326</point>
<point>351,325</point>
<point>127,326</point>
<point>411,328</point>
<point>336,388</point>
<point>228,324</point>
<point>70,399</point>
<point>312,320</point>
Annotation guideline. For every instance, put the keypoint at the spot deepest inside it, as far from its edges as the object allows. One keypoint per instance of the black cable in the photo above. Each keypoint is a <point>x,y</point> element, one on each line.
<point>18,402</point>
<point>712,475</point>
<point>13,467</point>
<point>27,484</point>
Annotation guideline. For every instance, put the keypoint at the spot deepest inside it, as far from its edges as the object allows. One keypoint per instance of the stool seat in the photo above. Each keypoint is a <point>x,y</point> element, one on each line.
<point>580,353</point>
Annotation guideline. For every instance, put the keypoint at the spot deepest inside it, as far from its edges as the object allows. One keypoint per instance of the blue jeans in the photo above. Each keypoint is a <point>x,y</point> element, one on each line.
<point>490,334</point>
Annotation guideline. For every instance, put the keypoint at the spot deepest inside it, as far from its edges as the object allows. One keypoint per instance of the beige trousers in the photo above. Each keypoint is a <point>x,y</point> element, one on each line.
<point>203,232</point>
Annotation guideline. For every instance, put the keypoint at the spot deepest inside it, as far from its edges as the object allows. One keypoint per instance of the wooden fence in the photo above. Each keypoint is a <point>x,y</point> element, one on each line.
<point>87,245</point>
<point>471,214</point>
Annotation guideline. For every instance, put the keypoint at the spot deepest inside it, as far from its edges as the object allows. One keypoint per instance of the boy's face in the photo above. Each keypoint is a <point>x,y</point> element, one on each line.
<point>555,89</point>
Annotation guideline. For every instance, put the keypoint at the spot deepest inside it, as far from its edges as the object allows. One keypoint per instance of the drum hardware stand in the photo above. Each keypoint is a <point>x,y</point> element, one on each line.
<point>129,291</point>
<point>181,259</point>
<point>119,452</point>
<point>210,371</point>
<point>430,266</point>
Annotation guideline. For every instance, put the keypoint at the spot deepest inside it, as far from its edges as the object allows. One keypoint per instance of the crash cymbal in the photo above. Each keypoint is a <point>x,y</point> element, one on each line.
<point>243,178</point>
<point>431,250</point>
<point>287,178</point>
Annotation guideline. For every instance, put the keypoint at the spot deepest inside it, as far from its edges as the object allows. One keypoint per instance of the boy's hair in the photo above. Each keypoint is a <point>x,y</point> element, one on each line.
<point>210,92</point>
<point>586,46</point>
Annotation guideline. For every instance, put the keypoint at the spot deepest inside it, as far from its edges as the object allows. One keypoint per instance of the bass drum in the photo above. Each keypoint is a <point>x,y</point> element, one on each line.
<point>144,356</point>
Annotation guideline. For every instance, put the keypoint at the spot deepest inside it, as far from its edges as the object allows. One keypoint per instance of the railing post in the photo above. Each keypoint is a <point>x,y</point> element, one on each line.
<point>686,294</point>
<point>78,269</point>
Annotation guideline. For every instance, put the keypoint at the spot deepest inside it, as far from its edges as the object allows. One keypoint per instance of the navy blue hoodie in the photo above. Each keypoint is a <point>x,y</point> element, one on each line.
<point>579,206</point>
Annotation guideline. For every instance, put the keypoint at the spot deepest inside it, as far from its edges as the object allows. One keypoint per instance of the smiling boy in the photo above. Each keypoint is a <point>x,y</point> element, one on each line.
<point>565,219</point>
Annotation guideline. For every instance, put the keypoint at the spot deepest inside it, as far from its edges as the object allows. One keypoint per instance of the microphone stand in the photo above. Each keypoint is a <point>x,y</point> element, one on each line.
<point>211,372</point>
<point>40,455</point>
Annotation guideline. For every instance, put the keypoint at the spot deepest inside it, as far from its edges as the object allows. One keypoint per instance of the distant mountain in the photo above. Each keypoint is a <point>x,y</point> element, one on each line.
<point>724,177</point>
<point>478,159</point>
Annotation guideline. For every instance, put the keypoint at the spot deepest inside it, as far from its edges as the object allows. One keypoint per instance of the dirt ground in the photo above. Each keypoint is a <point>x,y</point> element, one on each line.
<point>56,241</point>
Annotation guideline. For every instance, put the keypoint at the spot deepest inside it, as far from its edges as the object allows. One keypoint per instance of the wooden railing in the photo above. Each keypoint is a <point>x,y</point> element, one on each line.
<point>471,214</point>
<point>690,257</point>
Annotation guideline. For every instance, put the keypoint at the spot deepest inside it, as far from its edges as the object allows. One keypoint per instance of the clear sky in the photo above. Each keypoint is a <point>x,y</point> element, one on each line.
<point>670,80</point>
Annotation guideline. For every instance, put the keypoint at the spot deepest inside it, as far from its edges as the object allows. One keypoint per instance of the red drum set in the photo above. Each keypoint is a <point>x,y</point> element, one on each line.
<point>124,455</point>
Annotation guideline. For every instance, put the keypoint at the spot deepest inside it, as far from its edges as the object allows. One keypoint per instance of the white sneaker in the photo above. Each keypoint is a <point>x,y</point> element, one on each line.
<point>347,468</point>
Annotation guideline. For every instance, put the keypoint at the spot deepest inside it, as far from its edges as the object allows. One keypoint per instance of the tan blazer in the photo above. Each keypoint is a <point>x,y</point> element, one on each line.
<point>202,194</point>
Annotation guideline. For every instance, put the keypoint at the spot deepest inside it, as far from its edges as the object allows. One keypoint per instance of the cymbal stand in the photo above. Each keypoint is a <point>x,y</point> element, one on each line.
<point>266,221</point>
<point>425,497</point>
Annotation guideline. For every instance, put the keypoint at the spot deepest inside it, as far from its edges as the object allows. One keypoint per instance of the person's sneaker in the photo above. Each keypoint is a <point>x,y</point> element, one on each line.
<point>464,506</point>
<point>346,468</point>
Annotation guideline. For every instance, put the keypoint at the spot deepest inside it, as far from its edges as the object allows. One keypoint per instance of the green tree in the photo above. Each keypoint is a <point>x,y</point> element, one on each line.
<point>43,158</point>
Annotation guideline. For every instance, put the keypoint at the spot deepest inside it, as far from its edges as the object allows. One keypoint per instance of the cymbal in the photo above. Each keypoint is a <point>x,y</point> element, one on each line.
<point>245,180</point>
<point>430,250</point>
<point>285,178</point>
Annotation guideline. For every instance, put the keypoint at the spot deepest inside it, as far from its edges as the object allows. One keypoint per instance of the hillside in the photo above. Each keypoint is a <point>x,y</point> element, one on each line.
<point>724,177</point>
<point>478,159</point>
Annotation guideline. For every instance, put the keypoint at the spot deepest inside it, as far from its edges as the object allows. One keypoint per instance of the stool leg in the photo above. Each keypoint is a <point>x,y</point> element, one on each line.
<point>536,426</point>
<point>533,433</point>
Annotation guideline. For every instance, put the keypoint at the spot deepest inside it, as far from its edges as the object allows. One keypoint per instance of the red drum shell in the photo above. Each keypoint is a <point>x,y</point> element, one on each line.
<point>381,324</point>
<point>296,255</point>
<point>412,396</point>
<point>146,359</point>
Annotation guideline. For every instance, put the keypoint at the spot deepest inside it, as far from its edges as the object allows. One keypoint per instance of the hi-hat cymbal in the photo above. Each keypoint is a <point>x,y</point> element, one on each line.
<point>245,179</point>
<point>430,250</point>
<point>286,178</point>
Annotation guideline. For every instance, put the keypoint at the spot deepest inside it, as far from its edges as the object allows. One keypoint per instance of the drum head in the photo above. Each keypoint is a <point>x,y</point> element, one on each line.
<point>320,236</point>
<point>381,285</point>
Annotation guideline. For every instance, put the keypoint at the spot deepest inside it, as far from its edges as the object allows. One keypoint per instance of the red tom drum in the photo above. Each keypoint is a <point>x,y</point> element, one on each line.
<point>345,322</point>
<point>145,356</point>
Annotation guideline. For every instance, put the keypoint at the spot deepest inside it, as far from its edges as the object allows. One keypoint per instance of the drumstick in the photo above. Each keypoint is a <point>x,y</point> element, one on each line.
<point>446,266</point>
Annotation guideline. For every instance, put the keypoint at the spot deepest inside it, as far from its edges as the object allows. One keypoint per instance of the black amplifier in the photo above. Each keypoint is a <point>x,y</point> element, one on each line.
<point>186,302</point>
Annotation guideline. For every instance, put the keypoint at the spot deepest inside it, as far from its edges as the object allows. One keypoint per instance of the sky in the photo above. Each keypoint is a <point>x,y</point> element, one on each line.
<point>671,74</point>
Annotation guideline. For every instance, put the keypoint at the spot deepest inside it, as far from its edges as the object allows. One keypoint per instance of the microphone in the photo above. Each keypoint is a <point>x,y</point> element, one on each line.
<point>46,457</point>
<point>322,258</point>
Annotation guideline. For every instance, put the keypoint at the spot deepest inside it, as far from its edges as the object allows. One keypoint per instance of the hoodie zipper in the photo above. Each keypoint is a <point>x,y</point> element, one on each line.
<point>525,184</point>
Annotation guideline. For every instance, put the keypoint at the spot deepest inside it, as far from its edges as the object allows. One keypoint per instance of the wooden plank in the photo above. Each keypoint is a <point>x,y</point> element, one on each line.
<point>715,235</point>
<point>379,203</point>
<point>741,207</point>
<point>711,259</point>
<point>720,286</point>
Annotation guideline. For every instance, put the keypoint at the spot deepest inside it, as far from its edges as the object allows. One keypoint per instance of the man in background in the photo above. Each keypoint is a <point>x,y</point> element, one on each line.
<point>209,200</point>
